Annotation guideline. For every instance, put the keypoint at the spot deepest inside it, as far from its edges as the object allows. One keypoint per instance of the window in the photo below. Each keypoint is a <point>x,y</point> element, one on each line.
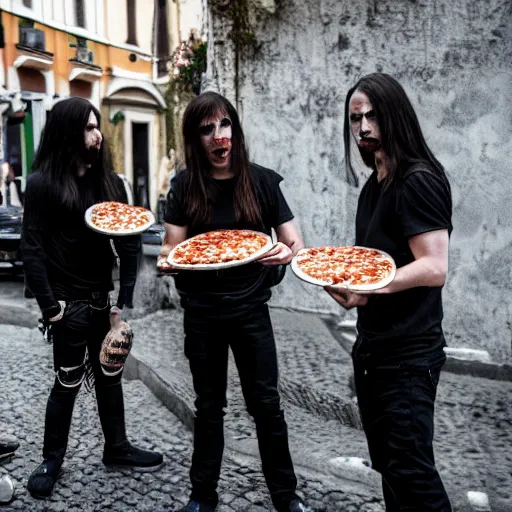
<point>162,38</point>
<point>80,88</point>
<point>132,27</point>
<point>80,13</point>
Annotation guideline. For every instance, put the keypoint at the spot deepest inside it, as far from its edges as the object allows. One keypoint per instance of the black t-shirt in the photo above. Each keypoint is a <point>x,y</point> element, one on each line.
<point>228,291</point>
<point>403,327</point>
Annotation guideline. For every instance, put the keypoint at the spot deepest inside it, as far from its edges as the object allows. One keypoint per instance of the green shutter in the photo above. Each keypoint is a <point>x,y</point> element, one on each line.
<point>29,144</point>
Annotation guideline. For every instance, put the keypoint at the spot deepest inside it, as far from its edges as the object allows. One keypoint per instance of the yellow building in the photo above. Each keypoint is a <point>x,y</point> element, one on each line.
<point>112,52</point>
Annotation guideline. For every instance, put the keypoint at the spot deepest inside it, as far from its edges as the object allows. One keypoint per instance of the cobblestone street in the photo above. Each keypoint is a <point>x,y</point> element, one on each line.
<point>473,426</point>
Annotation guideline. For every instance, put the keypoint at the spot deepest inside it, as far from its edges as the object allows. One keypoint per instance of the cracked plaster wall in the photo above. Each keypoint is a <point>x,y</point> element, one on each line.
<point>454,60</point>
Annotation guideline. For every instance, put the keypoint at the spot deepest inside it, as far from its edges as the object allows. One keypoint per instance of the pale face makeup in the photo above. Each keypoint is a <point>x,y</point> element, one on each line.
<point>215,134</point>
<point>363,122</point>
<point>92,134</point>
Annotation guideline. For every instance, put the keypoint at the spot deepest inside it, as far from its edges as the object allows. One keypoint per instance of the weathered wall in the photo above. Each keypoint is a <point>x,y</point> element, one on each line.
<point>454,58</point>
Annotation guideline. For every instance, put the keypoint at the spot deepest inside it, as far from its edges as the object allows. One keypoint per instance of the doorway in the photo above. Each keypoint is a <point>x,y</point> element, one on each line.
<point>140,159</point>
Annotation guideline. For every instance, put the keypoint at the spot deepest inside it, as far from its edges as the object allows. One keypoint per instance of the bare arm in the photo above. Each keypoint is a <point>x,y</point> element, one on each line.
<point>429,268</point>
<point>430,264</point>
<point>289,243</point>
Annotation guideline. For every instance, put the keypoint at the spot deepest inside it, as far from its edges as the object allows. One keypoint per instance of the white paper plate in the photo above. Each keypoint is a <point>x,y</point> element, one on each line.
<point>354,287</point>
<point>125,232</point>
<point>227,264</point>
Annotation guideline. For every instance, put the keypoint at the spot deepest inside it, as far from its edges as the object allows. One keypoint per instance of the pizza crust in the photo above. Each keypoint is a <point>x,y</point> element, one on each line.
<point>123,232</point>
<point>353,287</point>
<point>227,264</point>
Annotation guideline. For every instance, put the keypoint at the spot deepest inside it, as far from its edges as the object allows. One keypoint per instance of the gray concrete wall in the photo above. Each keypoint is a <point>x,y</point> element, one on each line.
<point>454,59</point>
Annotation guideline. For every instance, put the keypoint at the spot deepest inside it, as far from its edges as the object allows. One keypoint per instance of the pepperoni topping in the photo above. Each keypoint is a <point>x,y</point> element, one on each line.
<point>219,247</point>
<point>119,217</point>
<point>345,265</point>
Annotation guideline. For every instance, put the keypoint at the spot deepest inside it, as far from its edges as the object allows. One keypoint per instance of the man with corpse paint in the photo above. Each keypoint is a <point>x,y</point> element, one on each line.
<point>404,209</point>
<point>221,189</point>
<point>68,268</point>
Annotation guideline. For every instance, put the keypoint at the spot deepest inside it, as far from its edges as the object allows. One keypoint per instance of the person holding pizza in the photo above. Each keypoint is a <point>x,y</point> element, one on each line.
<point>404,209</point>
<point>221,189</point>
<point>68,268</point>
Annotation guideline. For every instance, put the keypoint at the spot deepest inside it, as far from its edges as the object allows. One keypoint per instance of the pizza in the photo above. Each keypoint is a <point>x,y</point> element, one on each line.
<point>220,248</point>
<point>349,267</point>
<point>116,218</point>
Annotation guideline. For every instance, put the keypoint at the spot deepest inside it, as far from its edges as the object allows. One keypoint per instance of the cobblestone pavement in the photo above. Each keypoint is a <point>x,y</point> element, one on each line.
<point>86,485</point>
<point>472,443</point>
<point>473,416</point>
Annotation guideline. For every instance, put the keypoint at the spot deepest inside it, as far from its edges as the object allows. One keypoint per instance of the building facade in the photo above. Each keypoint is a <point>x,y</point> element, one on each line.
<point>112,52</point>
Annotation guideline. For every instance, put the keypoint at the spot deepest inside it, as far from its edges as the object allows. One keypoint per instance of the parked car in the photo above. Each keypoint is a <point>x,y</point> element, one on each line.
<point>152,240</point>
<point>153,237</point>
<point>11,217</point>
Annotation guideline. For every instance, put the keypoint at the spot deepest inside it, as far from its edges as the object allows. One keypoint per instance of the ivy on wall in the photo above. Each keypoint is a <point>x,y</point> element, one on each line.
<point>242,16</point>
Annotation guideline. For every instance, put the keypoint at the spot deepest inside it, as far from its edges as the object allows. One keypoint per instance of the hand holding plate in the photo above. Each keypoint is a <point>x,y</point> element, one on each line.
<point>346,298</point>
<point>280,254</point>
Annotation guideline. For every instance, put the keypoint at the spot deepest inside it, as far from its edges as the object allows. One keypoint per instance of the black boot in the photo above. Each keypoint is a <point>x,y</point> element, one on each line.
<point>118,451</point>
<point>126,455</point>
<point>42,480</point>
<point>7,448</point>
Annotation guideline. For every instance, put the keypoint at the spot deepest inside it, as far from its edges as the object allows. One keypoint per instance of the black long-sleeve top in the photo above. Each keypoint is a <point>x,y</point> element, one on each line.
<point>64,259</point>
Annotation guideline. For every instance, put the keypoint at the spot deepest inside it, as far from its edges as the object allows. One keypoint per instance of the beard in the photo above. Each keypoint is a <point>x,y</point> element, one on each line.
<point>367,149</point>
<point>90,156</point>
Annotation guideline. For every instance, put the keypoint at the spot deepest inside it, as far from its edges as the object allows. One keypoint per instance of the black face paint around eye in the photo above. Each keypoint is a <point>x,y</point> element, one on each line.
<point>206,129</point>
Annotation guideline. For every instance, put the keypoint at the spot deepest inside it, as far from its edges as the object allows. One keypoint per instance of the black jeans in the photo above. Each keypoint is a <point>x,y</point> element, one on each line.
<point>251,339</point>
<point>83,327</point>
<point>397,411</point>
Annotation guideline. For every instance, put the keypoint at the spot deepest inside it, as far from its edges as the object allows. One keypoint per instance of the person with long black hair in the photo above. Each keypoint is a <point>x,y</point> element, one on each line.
<point>221,189</point>
<point>405,209</point>
<point>68,268</point>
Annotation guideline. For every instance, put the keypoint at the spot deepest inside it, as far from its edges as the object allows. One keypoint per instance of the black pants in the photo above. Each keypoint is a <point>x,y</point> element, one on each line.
<point>251,339</point>
<point>84,326</point>
<point>397,411</point>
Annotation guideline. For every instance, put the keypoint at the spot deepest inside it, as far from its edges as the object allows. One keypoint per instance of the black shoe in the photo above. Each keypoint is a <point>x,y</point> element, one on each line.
<point>195,506</point>
<point>298,506</point>
<point>6,490</point>
<point>8,448</point>
<point>42,480</point>
<point>126,455</point>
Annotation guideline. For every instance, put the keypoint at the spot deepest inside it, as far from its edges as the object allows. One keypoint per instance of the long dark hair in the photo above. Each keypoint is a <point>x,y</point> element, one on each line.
<point>200,189</point>
<point>401,136</point>
<point>61,153</point>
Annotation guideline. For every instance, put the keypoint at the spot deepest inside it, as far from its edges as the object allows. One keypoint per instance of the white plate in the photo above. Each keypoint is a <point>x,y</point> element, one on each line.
<point>354,287</point>
<point>125,232</point>
<point>227,264</point>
